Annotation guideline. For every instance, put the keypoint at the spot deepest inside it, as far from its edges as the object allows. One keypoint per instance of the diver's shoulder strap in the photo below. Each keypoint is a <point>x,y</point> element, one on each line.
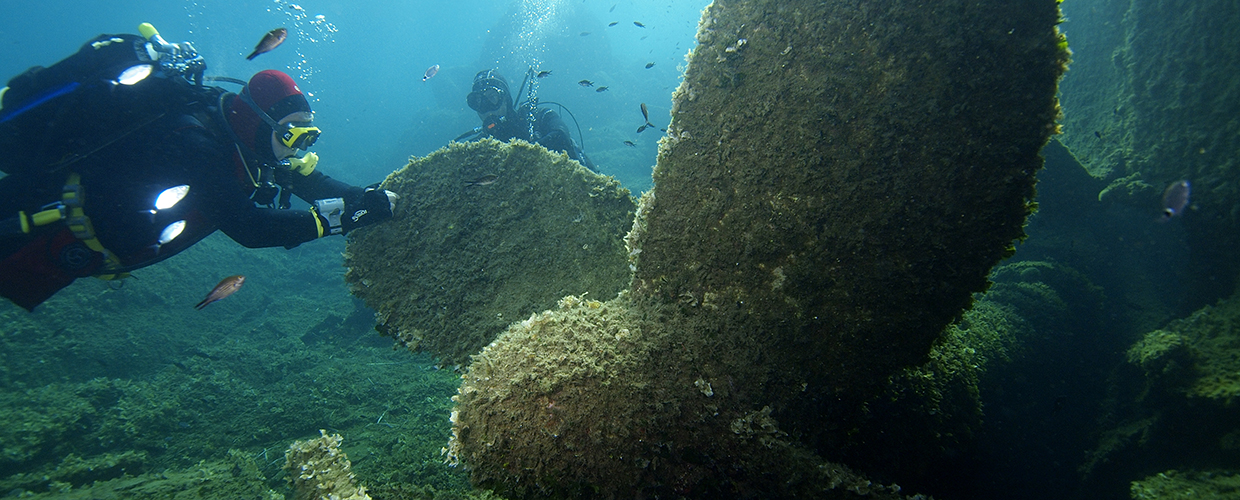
<point>80,225</point>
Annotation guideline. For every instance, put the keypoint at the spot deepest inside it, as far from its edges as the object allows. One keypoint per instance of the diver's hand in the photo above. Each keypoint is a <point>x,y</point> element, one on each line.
<point>374,205</point>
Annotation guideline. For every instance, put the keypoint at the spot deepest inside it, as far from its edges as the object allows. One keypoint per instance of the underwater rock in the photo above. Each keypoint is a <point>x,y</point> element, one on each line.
<point>1196,357</point>
<point>1176,399</point>
<point>836,183</point>
<point>1151,100</point>
<point>486,233</point>
<point>598,398</point>
<point>1186,484</point>
<point>317,469</point>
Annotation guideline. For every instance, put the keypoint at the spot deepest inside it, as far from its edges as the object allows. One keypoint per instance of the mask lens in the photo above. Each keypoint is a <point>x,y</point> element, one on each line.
<point>485,100</point>
<point>300,137</point>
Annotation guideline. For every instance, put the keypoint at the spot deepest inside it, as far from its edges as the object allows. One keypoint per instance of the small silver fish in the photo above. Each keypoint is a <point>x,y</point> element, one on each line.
<point>430,72</point>
<point>170,232</point>
<point>1175,199</point>
<point>269,42</point>
<point>168,198</point>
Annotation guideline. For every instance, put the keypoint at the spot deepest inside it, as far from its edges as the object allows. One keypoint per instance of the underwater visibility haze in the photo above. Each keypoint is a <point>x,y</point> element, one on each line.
<point>829,249</point>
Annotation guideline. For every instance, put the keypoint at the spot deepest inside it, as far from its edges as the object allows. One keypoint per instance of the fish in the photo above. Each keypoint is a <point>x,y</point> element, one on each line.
<point>430,72</point>
<point>485,180</point>
<point>601,89</point>
<point>649,65</point>
<point>613,7</point>
<point>586,83</point>
<point>1175,199</point>
<point>227,287</point>
<point>543,74</point>
<point>170,232</point>
<point>645,116</point>
<point>585,33</point>
<point>613,23</point>
<point>630,144</point>
<point>638,24</point>
<point>167,199</point>
<point>269,42</point>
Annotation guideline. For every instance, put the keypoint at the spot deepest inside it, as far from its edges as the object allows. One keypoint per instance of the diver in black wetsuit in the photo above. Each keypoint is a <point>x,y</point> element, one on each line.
<point>167,185</point>
<point>491,99</point>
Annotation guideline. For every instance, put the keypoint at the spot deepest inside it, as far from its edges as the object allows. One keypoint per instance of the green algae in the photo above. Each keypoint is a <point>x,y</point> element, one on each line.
<point>1186,485</point>
<point>1152,101</point>
<point>236,475</point>
<point>603,396</point>
<point>1176,398</point>
<point>129,393</point>
<point>487,233</point>
<point>933,410</point>
<point>1198,356</point>
<point>825,203</point>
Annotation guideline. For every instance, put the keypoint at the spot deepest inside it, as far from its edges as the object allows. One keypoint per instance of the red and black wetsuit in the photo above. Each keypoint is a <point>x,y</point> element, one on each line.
<point>119,185</point>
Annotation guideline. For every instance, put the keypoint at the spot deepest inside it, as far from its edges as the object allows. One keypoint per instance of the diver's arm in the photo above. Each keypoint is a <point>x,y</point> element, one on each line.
<point>252,226</point>
<point>258,227</point>
<point>315,185</point>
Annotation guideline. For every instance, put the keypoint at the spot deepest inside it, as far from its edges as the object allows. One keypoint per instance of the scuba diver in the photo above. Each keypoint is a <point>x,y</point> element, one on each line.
<point>493,102</point>
<point>119,157</point>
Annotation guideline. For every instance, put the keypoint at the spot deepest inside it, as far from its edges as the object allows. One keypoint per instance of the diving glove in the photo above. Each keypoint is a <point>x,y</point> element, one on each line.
<point>358,208</point>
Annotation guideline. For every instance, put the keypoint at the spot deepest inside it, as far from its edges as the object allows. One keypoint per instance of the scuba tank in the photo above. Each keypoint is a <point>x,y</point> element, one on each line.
<point>111,87</point>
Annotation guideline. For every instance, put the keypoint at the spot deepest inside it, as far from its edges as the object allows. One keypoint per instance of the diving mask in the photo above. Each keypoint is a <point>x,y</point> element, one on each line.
<point>296,135</point>
<point>299,135</point>
<point>485,100</point>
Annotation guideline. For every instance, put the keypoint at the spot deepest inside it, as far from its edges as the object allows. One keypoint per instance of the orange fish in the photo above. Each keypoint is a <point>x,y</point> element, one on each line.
<point>270,41</point>
<point>226,287</point>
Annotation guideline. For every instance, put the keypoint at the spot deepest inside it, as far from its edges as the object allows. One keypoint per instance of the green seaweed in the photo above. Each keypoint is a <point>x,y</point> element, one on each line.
<point>1187,484</point>
<point>826,201</point>
<point>114,386</point>
<point>487,233</point>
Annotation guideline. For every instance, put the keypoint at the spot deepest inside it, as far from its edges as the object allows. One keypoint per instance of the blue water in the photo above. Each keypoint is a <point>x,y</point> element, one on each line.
<point>133,381</point>
<point>98,372</point>
<point>362,62</point>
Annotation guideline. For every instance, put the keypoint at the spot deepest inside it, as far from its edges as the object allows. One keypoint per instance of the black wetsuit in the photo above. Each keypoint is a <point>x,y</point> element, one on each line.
<point>549,129</point>
<point>119,185</point>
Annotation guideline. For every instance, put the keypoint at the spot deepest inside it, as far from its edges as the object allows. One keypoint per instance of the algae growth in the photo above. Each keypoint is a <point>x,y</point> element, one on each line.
<point>487,233</point>
<point>130,393</point>
<point>1154,103</point>
<point>835,185</point>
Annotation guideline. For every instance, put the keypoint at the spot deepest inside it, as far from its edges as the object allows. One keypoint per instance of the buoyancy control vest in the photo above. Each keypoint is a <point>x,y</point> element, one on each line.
<point>113,86</point>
